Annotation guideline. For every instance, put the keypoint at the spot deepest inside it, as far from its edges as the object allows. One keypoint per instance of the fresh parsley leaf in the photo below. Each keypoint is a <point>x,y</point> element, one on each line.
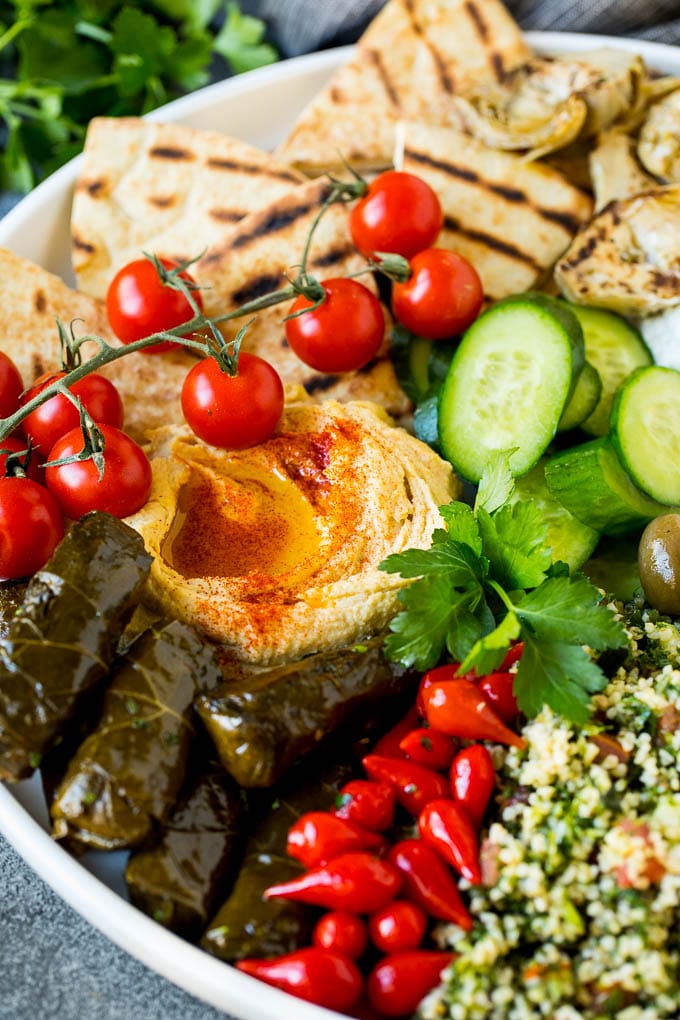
<point>436,616</point>
<point>240,41</point>
<point>487,654</point>
<point>496,484</point>
<point>559,675</point>
<point>462,525</point>
<point>569,610</point>
<point>514,541</point>
<point>456,560</point>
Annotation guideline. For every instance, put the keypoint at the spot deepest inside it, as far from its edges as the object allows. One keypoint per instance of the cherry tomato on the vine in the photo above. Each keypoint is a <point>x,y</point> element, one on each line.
<point>442,296</point>
<point>139,304</point>
<point>344,333</point>
<point>11,386</point>
<point>124,487</point>
<point>16,445</point>
<point>31,527</point>
<point>233,411</point>
<point>399,213</point>
<point>57,416</point>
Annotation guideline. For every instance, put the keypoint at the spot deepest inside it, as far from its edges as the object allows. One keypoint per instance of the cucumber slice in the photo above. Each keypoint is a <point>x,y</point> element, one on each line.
<point>583,400</point>
<point>589,481</point>
<point>645,430</point>
<point>508,384</point>
<point>615,349</point>
<point>570,540</point>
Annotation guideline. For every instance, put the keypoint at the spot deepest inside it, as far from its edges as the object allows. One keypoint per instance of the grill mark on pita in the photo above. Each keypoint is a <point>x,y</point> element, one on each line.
<point>385,79</point>
<point>170,152</point>
<point>490,241</point>
<point>478,21</point>
<point>82,245</point>
<point>95,188</point>
<point>445,79</point>
<point>257,287</point>
<point>274,222</point>
<point>566,220</point>
<point>226,215</point>
<point>337,96</point>
<point>161,201</point>
<point>498,66</point>
<point>39,301</point>
<point>319,383</point>
<point>333,256</point>
<point>219,163</point>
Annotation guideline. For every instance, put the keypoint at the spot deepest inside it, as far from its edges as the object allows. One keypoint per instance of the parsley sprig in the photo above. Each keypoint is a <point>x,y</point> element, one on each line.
<point>63,62</point>
<point>487,580</point>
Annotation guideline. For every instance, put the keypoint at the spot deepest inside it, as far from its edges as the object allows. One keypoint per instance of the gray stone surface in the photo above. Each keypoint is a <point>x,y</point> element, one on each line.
<point>56,966</point>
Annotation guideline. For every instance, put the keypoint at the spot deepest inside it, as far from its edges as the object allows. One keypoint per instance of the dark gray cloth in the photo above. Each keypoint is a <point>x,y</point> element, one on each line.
<point>298,26</point>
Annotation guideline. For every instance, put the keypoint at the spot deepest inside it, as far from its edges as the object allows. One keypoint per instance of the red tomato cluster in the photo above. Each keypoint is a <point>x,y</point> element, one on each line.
<point>33,504</point>
<point>380,895</point>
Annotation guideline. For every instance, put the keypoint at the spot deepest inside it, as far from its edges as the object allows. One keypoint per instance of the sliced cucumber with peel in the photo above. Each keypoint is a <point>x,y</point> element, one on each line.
<point>583,400</point>
<point>570,540</point>
<point>615,349</point>
<point>645,431</point>
<point>508,384</point>
<point>593,486</point>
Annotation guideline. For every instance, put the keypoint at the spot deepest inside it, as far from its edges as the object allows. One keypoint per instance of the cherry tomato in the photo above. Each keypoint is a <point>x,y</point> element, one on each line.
<point>58,415</point>
<point>77,487</point>
<point>138,304</point>
<point>344,933</point>
<point>367,803</point>
<point>442,296</point>
<point>401,925</point>
<point>399,213</point>
<point>233,411</point>
<point>31,527</point>
<point>16,445</point>
<point>11,386</point>
<point>344,333</point>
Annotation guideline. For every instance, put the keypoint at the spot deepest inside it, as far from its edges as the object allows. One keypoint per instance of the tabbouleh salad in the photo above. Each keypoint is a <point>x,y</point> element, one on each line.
<point>579,916</point>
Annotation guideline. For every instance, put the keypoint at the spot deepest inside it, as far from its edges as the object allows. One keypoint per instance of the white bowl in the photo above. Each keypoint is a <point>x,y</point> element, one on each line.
<point>259,108</point>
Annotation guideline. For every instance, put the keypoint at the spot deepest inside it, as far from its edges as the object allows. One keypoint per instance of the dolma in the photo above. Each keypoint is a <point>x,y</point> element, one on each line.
<point>248,925</point>
<point>11,596</point>
<point>263,722</point>
<point>61,643</point>
<point>179,881</point>
<point>129,772</point>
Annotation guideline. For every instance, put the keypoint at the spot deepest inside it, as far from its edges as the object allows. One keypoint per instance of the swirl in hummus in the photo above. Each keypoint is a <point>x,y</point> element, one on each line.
<point>274,551</point>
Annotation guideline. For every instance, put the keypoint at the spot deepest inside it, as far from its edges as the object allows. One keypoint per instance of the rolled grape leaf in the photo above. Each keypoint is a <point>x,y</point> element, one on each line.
<point>247,924</point>
<point>62,641</point>
<point>261,723</point>
<point>11,596</point>
<point>129,772</point>
<point>179,881</point>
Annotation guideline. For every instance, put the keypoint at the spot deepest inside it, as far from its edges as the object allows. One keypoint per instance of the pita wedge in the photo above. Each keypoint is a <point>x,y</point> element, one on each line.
<point>410,61</point>
<point>32,299</point>
<point>511,218</point>
<point>154,187</point>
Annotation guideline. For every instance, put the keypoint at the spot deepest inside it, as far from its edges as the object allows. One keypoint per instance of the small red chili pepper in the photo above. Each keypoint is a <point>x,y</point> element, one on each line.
<point>473,779</point>
<point>445,826</point>
<point>318,837</point>
<point>460,709</point>
<point>513,655</point>
<point>388,745</point>
<point>317,975</point>
<point>397,984</point>
<point>428,882</point>
<point>436,676</point>
<point>357,883</point>
<point>397,927</point>
<point>343,933</point>
<point>428,747</point>
<point>499,689</point>
<point>414,785</point>
<point>367,803</point>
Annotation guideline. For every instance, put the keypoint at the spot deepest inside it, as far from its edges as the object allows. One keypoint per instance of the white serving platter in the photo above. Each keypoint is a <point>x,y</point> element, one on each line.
<point>259,108</point>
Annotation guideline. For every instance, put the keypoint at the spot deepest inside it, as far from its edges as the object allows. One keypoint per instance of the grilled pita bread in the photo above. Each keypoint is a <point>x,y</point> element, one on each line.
<point>162,187</point>
<point>511,218</point>
<point>412,58</point>
<point>32,299</point>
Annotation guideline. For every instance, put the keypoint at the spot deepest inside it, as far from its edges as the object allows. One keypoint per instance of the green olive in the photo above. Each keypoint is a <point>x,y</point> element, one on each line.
<point>659,563</point>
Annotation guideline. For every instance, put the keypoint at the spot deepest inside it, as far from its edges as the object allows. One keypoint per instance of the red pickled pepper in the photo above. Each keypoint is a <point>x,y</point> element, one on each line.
<point>429,883</point>
<point>473,779</point>
<point>358,883</point>
<point>399,982</point>
<point>388,745</point>
<point>499,690</point>
<point>513,655</point>
<point>318,836</point>
<point>459,708</point>
<point>429,747</point>
<point>399,926</point>
<point>414,785</point>
<point>367,803</point>
<point>321,976</point>
<point>342,932</point>
<point>445,826</point>
<point>435,676</point>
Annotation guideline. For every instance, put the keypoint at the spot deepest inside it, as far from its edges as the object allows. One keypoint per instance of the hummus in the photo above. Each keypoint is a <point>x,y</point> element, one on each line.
<point>273,551</point>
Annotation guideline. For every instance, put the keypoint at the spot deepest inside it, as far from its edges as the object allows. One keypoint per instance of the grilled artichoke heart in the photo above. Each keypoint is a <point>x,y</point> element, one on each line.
<point>628,258</point>
<point>615,171</point>
<point>659,140</point>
